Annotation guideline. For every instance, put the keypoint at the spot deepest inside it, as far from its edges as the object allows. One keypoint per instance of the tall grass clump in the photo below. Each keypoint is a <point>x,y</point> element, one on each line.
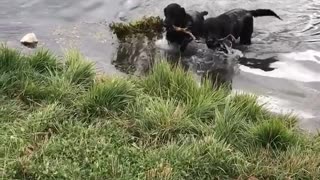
<point>157,120</point>
<point>166,82</point>
<point>13,69</point>
<point>174,83</point>
<point>231,125</point>
<point>204,100</point>
<point>274,134</point>
<point>51,88</point>
<point>78,69</point>
<point>10,83</point>
<point>10,60</point>
<point>43,77</point>
<point>44,61</point>
<point>248,105</point>
<point>206,158</point>
<point>112,96</point>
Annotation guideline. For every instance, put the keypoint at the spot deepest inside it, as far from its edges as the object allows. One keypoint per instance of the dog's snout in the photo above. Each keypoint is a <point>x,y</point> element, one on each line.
<point>168,25</point>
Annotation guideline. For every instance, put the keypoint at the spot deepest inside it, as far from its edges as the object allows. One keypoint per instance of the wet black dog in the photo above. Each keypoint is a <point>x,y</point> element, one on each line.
<point>237,22</point>
<point>175,15</point>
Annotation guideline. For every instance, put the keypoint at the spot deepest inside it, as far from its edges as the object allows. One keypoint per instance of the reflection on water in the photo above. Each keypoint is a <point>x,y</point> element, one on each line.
<point>137,55</point>
<point>282,62</point>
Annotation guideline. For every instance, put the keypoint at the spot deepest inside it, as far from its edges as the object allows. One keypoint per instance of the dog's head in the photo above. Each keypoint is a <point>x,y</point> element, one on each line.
<point>174,15</point>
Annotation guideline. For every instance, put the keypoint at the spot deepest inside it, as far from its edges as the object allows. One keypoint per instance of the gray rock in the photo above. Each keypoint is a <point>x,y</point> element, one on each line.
<point>29,40</point>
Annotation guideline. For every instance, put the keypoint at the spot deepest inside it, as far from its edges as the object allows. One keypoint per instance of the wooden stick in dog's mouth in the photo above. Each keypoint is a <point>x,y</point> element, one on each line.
<point>184,30</point>
<point>230,35</point>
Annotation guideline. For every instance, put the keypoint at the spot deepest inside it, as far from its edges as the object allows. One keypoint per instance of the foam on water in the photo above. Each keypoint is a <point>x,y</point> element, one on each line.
<point>309,55</point>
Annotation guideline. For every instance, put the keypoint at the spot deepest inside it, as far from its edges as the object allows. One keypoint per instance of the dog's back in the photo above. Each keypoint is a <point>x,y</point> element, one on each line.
<point>238,12</point>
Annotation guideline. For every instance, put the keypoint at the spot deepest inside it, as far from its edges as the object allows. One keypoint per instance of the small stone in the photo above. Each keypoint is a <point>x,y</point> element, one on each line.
<point>29,40</point>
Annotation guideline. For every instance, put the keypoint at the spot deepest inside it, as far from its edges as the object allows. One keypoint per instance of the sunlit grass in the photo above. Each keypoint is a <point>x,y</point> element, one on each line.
<point>43,61</point>
<point>274,134</point>
<point>77,69</point>
<point>59,120</point>
<point>110,96</point>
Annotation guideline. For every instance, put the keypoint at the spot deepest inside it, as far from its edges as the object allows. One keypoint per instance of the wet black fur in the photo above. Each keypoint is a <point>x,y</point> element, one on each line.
<point>176,15</point>
<point>237,22</point>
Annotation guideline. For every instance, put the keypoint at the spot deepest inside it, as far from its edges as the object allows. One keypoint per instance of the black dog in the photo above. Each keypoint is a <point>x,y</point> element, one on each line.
<point>237,22</point>
<point>175,15</point>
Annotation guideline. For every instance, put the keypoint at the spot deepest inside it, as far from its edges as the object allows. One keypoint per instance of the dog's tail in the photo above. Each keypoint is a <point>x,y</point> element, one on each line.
<point>264,12</point>
<point>204,13</point>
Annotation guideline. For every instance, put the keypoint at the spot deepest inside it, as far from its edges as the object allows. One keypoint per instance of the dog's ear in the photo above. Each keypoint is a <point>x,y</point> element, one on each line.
<point>183,11</point>
<point>204,13</point>
<point>165,11</point>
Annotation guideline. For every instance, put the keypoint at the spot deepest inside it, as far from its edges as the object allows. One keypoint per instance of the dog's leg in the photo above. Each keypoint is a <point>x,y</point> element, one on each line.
<point>247,30</point>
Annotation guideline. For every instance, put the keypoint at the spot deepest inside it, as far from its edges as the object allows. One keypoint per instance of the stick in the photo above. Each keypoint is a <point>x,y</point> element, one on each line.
<point>230,35</point>
<point>184,30</point>
<point>233,39</point>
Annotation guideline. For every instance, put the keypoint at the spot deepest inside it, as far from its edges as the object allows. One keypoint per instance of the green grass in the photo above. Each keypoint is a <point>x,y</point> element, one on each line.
<point>60,120</point>
<point>110,96</point>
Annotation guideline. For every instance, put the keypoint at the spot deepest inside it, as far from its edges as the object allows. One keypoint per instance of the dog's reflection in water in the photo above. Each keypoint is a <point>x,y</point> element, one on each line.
<point>137,55</point>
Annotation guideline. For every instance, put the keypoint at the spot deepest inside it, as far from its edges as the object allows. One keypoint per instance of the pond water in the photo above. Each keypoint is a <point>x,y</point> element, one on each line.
<point>293,82</point>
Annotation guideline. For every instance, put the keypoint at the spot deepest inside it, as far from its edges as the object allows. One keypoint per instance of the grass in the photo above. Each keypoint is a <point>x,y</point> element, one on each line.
<point>151,27</point>
<point>110,96</point>
<point>60,120</point>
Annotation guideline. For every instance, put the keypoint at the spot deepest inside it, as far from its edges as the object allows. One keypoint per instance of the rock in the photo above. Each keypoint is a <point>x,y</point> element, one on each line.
<point>29,40</point>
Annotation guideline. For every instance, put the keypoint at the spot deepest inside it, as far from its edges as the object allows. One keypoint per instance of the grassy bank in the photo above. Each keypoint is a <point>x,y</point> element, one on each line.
<point>60,120</point>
